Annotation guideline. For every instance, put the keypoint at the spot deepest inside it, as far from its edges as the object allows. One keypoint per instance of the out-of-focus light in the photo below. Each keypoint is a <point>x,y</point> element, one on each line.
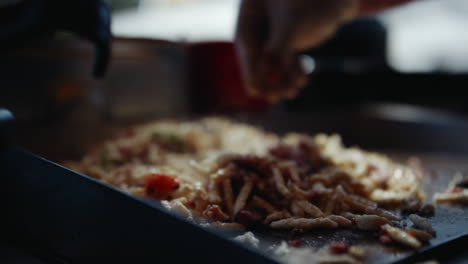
<point>175,20</point>
<point>307,63</point>
<point>428,36</point>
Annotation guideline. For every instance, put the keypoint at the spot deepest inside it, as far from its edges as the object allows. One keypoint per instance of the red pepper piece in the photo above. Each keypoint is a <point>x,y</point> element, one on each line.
<point>160,186</point>
<point>338,248</point>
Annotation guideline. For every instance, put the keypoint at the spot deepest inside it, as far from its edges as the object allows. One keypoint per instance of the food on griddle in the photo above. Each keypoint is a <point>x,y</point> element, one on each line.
<point>457,191</point>
<point>401,236</point>
<point>233,175</point>
<point>422,224</point>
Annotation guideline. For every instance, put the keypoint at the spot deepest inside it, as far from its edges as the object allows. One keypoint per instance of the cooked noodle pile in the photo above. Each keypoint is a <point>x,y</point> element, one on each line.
<point>231,174</point>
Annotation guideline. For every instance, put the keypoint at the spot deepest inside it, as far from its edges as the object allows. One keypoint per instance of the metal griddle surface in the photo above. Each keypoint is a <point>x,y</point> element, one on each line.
<point>368,132</point>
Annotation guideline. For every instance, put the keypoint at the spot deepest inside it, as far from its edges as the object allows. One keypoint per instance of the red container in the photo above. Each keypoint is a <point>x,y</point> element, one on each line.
<point>215,80</point>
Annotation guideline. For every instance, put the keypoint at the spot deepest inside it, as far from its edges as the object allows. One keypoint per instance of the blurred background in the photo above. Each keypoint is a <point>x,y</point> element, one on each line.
<point>425,36</point>
<point>416,54</point>
<point>175,58</point>
<point>162,49</point>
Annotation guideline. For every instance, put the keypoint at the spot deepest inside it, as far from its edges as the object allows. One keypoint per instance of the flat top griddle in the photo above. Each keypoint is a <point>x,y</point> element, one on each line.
<point>64,217</point>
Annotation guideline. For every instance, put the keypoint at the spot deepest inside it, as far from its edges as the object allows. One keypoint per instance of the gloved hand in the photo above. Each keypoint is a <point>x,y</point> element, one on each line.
<point>270,34</point>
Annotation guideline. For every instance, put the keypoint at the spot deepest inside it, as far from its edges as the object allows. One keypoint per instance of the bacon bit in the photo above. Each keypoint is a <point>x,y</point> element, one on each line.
<point>303,153</point>
<point>338,248</point>
<point>249,163</point>
<point>215,213</point>
<point>249,218</point>
<point>314,197</point>
<point>385,238</point>
<point>427,209</point>
<point>341,177</point>
<point>286,173</point>
<point>295,242</point>
<point>281,151</point>
<point>456,190</point>
<point>297,231</point>
<point>312,153</point>
<point>198,203</point>
<point>411,233</point>
<point>191,204</point>
<point>125,152</point>
<point>144,153</point>
<point>160,186</point>
<point>371,168</point>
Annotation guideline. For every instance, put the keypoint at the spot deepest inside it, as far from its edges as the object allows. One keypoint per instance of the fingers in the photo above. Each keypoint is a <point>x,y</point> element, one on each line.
<point>250,39</point>
<point>296,26</point>
<point>281,80</point>
<point>265,74</point>
<point>301,24</point>
<point>270,34</point>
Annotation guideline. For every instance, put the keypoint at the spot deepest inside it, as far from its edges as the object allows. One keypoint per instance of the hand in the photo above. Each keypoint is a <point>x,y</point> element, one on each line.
<point>270,34</point>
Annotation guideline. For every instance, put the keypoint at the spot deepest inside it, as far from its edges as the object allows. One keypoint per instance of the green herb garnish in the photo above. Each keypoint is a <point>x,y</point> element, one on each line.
<point>169,141</point>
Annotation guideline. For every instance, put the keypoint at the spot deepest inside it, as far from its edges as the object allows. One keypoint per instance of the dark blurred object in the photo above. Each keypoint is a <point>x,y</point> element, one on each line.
<point>12,255</point>
<point>351,70</point>
<point>333,90</point>
<point>48,81</point>
<point>27,20</point>
<point>6,120</point>
<point>60,216</point>
<point>119,5</point>
<point>358,47</point>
